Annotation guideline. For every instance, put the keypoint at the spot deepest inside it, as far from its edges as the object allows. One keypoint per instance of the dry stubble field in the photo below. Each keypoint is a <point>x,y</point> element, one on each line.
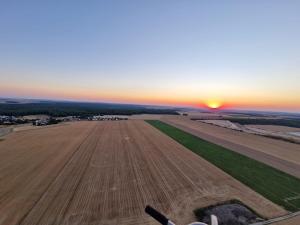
<point>105,173</point>
<point>275,128</point>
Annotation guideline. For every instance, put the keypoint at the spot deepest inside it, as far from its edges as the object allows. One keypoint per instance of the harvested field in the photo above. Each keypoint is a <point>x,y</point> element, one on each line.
<point>275,185</point>
<point>275,128</point>
<point>291,221</point>
<point>36,117</point>
<point>29,162</point>
<point>279,154</point>
<point>24,127</point>
<point>105,173</point>
<point>5,130</point>
<point>223,123</point>
<point>269,131</point>
<point>146,117</point>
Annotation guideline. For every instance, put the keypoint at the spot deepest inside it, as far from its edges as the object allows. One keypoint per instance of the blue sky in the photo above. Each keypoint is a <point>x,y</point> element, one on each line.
<point>175,51</point>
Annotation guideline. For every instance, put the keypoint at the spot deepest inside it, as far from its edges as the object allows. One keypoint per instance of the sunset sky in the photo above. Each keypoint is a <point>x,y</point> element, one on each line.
<point>243,54</point>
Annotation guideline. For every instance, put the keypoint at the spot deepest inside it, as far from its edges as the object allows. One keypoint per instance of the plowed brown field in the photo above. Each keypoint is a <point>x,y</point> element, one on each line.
<point>105,173</point>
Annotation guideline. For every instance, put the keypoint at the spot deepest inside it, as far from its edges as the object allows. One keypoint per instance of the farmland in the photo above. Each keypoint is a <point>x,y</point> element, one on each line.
<point>280,154</point>
<point>276,128</point>
<point>105,173</point>
<point>277,186</point>
<point>279,122</point>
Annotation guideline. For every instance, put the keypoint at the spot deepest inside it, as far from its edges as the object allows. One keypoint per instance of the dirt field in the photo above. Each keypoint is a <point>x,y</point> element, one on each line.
<point>36,117</point>
<point>5,130</point>
<point>276,128</point>
<point>292,221</point>
<point>279,154</point>
<point>146,117</point>
<point>29,126</point>
<point>105,173</point>
<point>289,134</point>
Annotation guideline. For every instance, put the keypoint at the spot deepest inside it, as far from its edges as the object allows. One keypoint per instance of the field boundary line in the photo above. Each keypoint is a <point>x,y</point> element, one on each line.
<point>278,219</point>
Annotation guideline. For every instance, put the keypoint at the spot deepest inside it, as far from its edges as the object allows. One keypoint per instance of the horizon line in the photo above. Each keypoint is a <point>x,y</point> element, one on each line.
<point>198,107</point>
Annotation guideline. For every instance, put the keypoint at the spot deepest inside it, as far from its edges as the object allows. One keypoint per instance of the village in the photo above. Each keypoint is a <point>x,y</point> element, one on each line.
<point>43,120</point>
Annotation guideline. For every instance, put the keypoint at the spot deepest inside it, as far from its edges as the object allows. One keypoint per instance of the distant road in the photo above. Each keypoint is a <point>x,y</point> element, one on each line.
<point>276,153</point>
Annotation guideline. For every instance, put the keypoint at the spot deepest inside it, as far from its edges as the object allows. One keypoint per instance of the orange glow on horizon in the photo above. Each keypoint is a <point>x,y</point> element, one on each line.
<point>214,105</point>
<point>254,101</point>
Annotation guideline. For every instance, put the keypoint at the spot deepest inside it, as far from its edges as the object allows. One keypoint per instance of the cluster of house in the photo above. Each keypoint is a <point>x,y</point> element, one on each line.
<point>6,118</point>
<point>54,120</point>
<point>10,120</point>
<point>46,121</point>
<point>107,117</point>
<point>69,118</point>
<point>41,122</point>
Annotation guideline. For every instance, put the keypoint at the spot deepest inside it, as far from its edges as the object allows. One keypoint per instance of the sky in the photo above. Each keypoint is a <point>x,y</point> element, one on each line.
<point>240,54</point>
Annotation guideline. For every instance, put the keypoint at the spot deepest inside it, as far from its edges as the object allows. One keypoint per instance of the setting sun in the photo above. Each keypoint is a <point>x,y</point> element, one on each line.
<point>214,105</point>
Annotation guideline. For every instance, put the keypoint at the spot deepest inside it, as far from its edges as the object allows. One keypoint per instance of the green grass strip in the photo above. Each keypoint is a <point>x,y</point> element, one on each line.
<point>275,185</point>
